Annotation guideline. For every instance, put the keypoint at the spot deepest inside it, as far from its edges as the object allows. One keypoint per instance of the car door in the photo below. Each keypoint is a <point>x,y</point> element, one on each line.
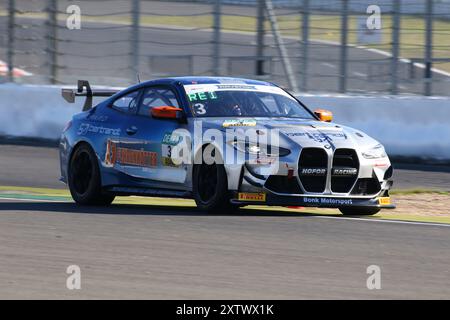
<point>147,142</point>
<point>119,114</point>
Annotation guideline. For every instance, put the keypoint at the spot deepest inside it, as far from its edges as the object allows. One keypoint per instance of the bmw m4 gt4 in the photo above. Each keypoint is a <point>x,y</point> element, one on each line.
<point>223,142</point>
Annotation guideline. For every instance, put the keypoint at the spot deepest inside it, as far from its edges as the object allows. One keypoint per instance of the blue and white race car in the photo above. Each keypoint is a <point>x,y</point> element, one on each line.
<point>224,142</point>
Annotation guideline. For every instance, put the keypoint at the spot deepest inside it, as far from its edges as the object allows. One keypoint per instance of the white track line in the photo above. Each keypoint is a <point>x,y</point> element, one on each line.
<point>387,221</point>
<point>359,74</point>
<point>34,200</point>
<point>383,53</point>
<point>329,65</point>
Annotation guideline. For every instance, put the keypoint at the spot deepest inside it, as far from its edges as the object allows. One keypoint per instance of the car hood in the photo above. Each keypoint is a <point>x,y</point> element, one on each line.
<point>302,132</point>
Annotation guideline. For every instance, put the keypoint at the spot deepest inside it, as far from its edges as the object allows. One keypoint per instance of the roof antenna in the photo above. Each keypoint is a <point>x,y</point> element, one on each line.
<point>138,78</point>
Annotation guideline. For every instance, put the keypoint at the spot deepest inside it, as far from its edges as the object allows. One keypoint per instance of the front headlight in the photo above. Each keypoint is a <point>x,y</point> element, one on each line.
<point>375,152</point>
<point>260,150</point>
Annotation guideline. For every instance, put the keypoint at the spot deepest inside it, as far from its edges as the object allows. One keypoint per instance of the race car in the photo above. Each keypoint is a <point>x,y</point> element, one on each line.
<point>224,142</point>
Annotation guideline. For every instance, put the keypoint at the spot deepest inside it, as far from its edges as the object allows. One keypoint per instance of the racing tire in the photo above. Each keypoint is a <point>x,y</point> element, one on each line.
<point>210,188</point>
<point>359,211</point>
<point>84,178</point>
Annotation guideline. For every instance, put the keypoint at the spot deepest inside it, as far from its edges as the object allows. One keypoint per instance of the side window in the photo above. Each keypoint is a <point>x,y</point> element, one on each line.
<point>157,97</point>
<point>127,103</point>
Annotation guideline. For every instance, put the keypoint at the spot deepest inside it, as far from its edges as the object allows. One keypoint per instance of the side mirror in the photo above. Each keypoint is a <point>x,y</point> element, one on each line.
<point>324,115</point>
<point>166,112</point>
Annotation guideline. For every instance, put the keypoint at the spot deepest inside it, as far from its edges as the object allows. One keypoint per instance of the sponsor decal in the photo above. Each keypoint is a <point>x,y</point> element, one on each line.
<point>313,171</point>
<point>196,96</point>
<point>125,156</point>
<point>86,128</point>
<point>328,201</point>
<point>208,90</point>
<point>318,136</point>
<point>384,201</point>
<point>239,123</point>
<point>168,162</point>
<point>166,155</point>
<point>235,86</point>
<point>344,171</point>
<point>246,196</point>
<point>171,139</point>
<point>98,118</point>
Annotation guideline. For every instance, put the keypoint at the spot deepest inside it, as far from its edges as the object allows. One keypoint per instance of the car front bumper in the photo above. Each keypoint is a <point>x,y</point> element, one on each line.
<point>325,201</point>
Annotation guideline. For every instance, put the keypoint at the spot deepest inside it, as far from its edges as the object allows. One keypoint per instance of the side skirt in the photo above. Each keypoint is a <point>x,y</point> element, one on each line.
<point>148,192</point>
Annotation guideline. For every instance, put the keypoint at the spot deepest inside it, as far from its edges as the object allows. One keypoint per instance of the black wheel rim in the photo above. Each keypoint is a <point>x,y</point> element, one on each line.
<point>207,182</point>
<point>82,172</point>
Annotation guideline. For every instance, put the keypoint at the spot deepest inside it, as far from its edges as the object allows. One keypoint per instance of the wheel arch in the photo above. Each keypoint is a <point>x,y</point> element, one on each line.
<point>93,194</point>
<point>76,146</point>
<point>233,171</point>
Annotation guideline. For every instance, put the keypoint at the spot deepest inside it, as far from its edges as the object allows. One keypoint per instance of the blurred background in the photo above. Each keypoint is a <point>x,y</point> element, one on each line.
<point>303,45</point>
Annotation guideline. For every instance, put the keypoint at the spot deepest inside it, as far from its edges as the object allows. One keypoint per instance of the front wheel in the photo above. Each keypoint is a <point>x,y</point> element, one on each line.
<point>359,211</point>
<point>84,178</point>
<point>210,188</point>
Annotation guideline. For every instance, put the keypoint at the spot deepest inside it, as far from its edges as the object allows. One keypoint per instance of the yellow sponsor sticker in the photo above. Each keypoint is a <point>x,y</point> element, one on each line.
<point>245,196</point>
<point>239,123</point>
<point>168,162</point>
<point>384,201</point>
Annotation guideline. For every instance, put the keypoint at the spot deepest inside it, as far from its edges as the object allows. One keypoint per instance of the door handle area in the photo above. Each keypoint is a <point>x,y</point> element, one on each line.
<point>131,130</point>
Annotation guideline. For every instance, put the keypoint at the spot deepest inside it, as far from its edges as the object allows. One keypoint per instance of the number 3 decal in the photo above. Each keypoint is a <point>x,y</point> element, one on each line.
<point>199,108</point>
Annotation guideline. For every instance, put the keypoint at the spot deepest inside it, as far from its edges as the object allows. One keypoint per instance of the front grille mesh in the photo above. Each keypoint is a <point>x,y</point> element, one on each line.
<point>313,158</point>
<point>344,171</point>
<point>344,158</point>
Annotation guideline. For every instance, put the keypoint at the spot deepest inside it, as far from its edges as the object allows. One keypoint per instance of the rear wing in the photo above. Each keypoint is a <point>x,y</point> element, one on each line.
<point>70,94</point>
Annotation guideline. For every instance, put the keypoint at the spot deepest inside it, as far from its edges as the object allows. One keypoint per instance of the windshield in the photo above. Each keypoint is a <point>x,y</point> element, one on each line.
<point>219,100</point>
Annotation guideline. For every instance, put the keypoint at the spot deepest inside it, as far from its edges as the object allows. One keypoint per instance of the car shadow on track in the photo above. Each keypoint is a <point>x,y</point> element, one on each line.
<point>147,209</point>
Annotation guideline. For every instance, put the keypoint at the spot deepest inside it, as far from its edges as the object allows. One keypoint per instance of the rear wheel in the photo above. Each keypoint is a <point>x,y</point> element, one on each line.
<point>84,178</point>
<point>359,211</point>
<point>210,188</point>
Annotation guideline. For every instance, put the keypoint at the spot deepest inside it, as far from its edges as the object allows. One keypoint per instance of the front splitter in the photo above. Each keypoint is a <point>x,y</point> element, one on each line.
<point>314,201</point>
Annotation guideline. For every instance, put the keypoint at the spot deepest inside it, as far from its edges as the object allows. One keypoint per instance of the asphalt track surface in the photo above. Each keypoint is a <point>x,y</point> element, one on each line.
<point>157,252</point>
<point>89,53</point>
